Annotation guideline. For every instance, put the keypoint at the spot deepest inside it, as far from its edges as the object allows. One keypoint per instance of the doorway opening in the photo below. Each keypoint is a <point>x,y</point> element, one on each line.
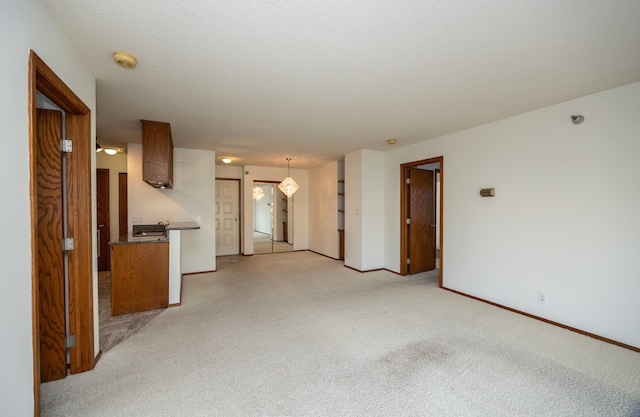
<point>111,216</point>
<point>77,190</point>
<point>421,216</point>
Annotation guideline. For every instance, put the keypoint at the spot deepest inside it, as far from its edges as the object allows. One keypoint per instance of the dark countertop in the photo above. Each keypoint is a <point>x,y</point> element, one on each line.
<point>129,238</point>
<point>182,226</point>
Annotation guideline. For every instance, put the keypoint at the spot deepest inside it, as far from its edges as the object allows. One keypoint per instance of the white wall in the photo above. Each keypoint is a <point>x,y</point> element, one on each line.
<point>229,172</point>
<point>26,25</point>
<point>352,208</point>
<point>299,201</point>
<point>323,209</point>
<point>115,164</point>
<point>565,216</point>
<point>364,210</point>
<point>373,204</point>
<point>193,195</point>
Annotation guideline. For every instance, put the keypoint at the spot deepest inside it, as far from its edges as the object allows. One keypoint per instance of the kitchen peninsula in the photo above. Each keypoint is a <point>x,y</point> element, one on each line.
<point>145,268</point>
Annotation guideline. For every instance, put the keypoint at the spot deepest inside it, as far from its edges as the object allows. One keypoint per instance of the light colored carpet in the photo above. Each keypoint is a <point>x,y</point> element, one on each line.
<point>298,334</point>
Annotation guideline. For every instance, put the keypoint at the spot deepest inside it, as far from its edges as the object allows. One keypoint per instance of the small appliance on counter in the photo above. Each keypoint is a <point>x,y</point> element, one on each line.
<point>149,230</point>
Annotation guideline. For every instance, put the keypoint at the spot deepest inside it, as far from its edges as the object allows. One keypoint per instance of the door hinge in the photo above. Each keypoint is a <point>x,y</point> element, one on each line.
<point>67,243</point>
<point>66,145</point>
<point>408,180</point>
<point>408,261</point>
<point>408,221</point>
<point>70,341</point>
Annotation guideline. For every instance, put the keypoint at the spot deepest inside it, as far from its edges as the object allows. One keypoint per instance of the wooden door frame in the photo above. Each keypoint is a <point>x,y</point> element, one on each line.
<point>79,219</point>
<point>404,210</point>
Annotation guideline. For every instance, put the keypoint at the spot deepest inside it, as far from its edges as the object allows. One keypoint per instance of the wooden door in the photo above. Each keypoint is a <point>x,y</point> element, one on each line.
<point>50,223</point>
<point>104,229</point>
<point>422,226</point>
<point>227,217</point>
<point>123,204</point>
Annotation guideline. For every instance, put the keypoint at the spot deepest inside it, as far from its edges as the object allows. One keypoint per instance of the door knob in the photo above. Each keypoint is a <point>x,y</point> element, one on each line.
<point>433,225</point>
<point>102,225</point>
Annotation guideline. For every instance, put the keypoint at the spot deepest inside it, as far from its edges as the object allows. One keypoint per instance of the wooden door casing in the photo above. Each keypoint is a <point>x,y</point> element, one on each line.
<point>103,219</point>
<point>422,231</point>
<point>50,233</point>
<point>82,357</point>
<point>404,213</point>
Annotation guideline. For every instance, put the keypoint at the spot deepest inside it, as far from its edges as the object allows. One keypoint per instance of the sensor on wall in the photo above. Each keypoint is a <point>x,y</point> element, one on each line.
<point>488,192</point>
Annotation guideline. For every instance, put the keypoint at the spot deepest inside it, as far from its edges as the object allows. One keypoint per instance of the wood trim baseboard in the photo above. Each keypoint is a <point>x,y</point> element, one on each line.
<point>554,323</point>
<point>97,358</point>
<point>199,272</point>
<point>364,271</point>
<point>321,254</point>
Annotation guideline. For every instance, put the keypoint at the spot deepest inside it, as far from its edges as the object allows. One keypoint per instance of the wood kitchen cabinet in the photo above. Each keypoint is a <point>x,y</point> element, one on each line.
<point>157,154</point>
<point>139,277</point>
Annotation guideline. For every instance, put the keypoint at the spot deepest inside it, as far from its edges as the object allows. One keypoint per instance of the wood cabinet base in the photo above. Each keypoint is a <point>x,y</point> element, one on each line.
<point>139,277</point>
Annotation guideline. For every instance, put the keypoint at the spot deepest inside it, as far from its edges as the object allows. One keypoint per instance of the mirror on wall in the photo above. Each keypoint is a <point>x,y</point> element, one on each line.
<point>272,219</point>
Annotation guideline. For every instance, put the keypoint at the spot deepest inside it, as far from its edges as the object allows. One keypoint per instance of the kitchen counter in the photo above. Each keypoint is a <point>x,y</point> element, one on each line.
<point>139,276</point>
<point>173,237</point>
<point>129,239</point>
<point>182,226</point>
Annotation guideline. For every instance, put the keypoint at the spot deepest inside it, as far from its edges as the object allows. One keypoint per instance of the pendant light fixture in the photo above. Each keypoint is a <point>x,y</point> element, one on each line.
<point>288,185</point>
<point>258,192</point>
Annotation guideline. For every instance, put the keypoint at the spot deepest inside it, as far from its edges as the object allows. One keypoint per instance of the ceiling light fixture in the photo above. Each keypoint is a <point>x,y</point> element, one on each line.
<point>576,119</point>
<point>258,193</point>
<point>226,160</point>
<point>111,151</point>
<point>125,59</point>
<point>98,147</point>
<point>288,185</point>
<point>392,141</point>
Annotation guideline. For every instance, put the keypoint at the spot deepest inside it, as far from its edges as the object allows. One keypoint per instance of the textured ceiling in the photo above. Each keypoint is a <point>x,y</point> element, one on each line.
<point>263,80</point>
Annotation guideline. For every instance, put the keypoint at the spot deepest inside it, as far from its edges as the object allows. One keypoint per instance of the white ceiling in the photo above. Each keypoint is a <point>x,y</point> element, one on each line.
<point>263,80</point>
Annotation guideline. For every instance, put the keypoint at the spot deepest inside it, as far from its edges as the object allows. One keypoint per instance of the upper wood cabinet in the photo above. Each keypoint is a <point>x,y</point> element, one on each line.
<point>157,154</point>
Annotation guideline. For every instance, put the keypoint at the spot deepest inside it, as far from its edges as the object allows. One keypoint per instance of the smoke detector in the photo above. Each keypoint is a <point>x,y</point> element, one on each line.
<point>125,60</point>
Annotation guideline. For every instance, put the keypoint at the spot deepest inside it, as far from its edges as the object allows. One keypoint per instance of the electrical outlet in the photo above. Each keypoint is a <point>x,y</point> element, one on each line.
<point>198,219</point>
<point>542,297</point>
<point>136,220</point>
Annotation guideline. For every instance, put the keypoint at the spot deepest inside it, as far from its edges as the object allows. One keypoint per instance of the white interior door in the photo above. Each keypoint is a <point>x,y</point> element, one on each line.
<point>227,217</point>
